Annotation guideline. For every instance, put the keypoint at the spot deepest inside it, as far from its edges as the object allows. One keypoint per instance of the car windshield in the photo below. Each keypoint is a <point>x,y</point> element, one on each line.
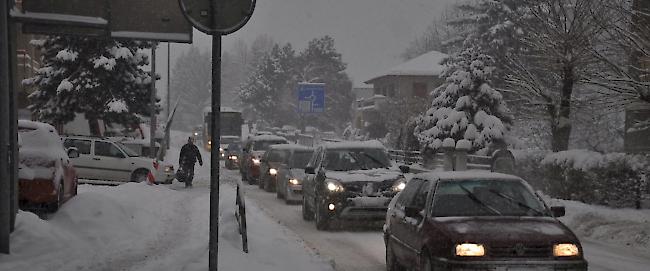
<point>228,140</point>
<point>234,147</point>
<point>356,159</point>
<point>264,145</point>
<point>300,159</point>
<point>127,150</point>
<point>485,198</point>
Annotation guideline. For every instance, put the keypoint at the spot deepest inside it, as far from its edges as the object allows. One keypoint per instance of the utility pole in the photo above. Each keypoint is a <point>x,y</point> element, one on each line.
<point>5,84</point>
<point>152,128</point>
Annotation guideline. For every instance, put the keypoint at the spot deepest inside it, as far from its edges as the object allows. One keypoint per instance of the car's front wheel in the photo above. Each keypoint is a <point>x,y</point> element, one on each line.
<point>307,213</point>
<point>139,175</point>
<point>391,260</point>
<point>425,261</point>
<point>322,218</point>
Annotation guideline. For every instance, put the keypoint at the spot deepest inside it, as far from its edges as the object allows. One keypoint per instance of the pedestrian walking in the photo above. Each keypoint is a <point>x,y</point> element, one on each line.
<point>188,157</point>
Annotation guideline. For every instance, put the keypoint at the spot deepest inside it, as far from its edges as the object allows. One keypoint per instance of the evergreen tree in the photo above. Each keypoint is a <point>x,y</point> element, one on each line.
<point>100,78</point>
<point>321,63</point>
<point>466,106</point>
<point>267,91</point>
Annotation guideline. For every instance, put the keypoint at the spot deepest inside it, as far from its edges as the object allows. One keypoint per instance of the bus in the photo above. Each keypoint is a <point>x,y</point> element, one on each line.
<point>231,126</point>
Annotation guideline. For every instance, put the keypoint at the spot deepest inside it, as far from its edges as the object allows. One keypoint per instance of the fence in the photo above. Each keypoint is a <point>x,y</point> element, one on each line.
<point>240,214</point>
<point>458,159</point>
<point>406,157</point>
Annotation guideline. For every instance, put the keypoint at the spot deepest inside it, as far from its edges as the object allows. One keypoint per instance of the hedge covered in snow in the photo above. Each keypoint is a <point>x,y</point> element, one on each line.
<point>613,179</point>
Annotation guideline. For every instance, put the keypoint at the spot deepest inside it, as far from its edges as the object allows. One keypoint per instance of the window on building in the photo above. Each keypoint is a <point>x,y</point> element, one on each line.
<point>390,90</point>
<point>420,89</point>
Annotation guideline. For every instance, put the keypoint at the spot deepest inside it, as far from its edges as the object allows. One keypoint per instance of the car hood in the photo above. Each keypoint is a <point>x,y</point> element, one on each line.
<point>506,230</point>
<point>142,161</point>
<point>298,173</point>
<point>371,175</point>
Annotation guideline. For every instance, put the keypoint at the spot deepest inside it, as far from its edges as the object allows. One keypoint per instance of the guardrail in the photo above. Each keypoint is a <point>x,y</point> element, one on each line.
<point>240,214</point>
<point>406,157</point>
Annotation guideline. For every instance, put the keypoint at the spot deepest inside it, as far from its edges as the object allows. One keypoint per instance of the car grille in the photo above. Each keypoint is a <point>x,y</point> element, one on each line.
<point>378,187</point>
<point>521,251</point>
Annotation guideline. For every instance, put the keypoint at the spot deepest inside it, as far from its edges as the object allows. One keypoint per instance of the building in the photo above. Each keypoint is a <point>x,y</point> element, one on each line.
<point>27,63</point>
<point>417,77</point>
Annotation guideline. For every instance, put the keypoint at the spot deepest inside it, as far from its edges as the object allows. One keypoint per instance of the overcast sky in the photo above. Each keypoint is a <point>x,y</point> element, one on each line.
<point>370,34</point>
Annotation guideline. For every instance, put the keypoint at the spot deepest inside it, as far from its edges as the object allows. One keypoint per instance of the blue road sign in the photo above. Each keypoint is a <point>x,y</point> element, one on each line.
<point>311,97</point>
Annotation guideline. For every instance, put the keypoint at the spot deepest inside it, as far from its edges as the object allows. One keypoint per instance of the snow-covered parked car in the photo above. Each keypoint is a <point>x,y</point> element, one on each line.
<point>47,177</point>
<point>476,220</point>
<point>351,181</point>
<point>107,161</point>
<point>165,172</point>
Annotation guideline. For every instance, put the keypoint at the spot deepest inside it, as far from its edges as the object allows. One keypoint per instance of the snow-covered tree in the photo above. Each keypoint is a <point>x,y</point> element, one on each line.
<point>100,78</point>
<point>557,58</point>
<point>321,63</point>
<point>267,91</point>
<point>466,106</point>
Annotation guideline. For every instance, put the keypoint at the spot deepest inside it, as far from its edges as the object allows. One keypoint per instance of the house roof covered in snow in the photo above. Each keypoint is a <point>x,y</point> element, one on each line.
<point>428,64</point>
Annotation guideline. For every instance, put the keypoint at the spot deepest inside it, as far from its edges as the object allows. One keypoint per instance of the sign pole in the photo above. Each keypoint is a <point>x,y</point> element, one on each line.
<point>169,111</point>
<point>214,153</point>
<point>152,128</point>
<point>5,181</point>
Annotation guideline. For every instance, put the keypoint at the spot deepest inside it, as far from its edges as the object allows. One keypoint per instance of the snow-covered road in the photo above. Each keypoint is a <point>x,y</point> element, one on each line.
<point>364,250</point>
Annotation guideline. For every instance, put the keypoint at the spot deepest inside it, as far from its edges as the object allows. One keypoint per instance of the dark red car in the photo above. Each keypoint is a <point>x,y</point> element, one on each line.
<point>47,178</point>
<point>474,220</point>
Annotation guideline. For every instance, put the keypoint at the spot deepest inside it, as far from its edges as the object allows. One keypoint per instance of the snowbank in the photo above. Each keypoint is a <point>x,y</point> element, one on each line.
<point>141,227</point>
<point>622,227</point>
<point>99,223</point>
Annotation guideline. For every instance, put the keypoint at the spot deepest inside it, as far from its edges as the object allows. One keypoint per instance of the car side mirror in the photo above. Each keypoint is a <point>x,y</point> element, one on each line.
<point>558,211</point>
<point>405,169</point>
<point>310,170</point>
<point>73,152</point>
<point>411,211</point>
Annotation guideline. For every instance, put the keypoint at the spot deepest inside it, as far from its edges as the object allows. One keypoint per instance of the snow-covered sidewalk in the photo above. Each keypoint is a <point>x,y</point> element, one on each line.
<point>141,227</point>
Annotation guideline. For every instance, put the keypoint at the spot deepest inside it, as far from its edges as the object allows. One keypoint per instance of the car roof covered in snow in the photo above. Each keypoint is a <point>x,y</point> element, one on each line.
<point>291,147</point>
<point>466,175</point>
<point>266,138</point>
<point>28,124</point>
<point>370,144</point>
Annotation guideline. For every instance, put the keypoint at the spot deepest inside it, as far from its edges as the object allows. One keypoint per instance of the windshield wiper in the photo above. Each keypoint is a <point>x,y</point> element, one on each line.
<point>516,202</point>
<point>475,199</point>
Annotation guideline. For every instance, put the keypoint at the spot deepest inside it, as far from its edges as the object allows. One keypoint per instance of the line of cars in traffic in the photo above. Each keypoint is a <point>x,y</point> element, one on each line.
<point>433,220</point>
<point>52,166</point>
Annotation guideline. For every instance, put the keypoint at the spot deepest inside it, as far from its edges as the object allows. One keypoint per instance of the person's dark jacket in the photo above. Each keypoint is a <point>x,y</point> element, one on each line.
<point>190,155</point>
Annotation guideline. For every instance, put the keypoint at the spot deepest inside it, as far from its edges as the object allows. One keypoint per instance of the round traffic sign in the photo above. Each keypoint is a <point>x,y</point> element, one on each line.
<point>217,16</point>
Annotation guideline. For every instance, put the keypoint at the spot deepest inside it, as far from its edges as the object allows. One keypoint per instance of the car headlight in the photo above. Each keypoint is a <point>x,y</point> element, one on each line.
<point>565,250</point>
<point>196,134</point>
<point>399,185</point>
<point>209,142</point>
<point>220,149</point>
<point>273,171</point>
<point>169,169</point>
<point>470,250</point>
<point>333,186</point>
<point>256,161</point>
<point>232,157</point>
<point>294,181</point>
